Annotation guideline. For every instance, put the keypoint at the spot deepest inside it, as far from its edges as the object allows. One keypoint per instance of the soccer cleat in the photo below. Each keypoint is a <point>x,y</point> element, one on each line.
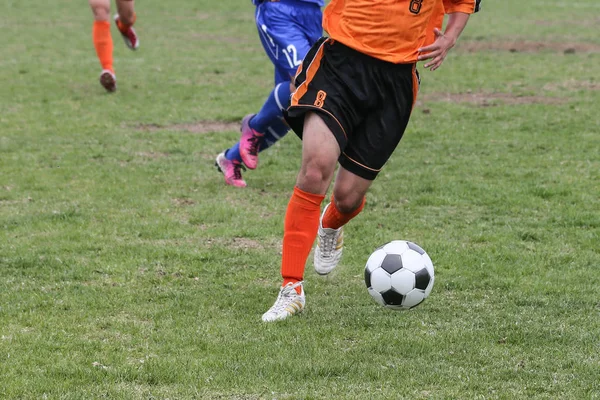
<point>231,170</point>
<point>288,303</point>
<point>328,252</point>
<point>128,34</point>
<point>108,80</point>
<point>249,143</point>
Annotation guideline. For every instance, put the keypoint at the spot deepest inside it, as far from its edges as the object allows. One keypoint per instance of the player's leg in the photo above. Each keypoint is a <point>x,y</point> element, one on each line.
<point>275,132</point>
<point>255,128</point>
<point>125,18</point>
<point>373,142</point>
<point>103,42</point>
<point>261,131</point>
<point>307,19</point>
<point>347,201</point>
<point>229,162</point>
<point>281,30</point>
<point>320,151</point>
<point>323,126</point>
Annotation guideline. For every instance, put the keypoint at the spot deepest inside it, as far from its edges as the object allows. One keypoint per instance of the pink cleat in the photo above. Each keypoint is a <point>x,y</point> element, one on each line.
<point>232,170</point>
<point>128,34</point>
<point>108,80</point>
<point>249,143</point>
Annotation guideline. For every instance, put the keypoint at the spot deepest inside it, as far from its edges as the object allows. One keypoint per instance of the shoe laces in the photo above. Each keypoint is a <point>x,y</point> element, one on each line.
<point>287,294</point>
<point>254,144</point>
<point>328,242</point>
<point>237,173</point>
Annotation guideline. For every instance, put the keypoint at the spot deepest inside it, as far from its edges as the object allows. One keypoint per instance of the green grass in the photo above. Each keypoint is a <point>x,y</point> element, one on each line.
<point>129,270</point>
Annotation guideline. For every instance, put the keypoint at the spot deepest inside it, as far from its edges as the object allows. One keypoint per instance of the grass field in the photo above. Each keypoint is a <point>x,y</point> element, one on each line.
<point>129,270</point>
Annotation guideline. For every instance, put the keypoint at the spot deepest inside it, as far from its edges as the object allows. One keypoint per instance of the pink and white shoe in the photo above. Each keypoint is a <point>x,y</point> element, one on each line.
<point>128,34</point>
<point>249,143</point>
<point>108,80</point>
<point>232,170</point>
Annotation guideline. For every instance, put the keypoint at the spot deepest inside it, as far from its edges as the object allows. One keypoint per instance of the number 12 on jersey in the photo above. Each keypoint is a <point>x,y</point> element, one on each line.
<point>292,55</point>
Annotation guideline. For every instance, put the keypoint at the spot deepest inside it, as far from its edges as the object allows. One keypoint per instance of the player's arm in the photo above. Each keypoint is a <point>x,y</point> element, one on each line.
<point>459,12</point>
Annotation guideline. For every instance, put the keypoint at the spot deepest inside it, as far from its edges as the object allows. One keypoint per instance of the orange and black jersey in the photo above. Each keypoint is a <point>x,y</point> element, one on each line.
<point>390,30</point>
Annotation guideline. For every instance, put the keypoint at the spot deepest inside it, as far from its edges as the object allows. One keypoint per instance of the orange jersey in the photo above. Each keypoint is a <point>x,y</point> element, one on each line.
<point>391,30</point>
<point>436,21</point>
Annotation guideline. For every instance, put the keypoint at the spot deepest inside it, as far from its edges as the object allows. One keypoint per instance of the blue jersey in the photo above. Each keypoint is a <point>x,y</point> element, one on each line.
<point>287,30</point>
<point>320,3</point>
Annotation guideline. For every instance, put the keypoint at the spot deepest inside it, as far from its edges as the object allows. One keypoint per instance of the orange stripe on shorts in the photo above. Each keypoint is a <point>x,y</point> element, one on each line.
<point>415,85</point>
<point>311,71</point>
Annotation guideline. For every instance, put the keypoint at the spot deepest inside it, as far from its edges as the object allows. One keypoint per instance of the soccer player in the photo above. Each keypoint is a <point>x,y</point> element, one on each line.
<point>124,19</point>
<point>355,93</point>
<point>287,30</point>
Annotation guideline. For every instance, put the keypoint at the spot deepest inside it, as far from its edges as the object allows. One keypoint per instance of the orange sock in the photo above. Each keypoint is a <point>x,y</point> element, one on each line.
<point>123,26</point>
<point>103,44</point>
<point>299,233</point>
<point>335,219</point>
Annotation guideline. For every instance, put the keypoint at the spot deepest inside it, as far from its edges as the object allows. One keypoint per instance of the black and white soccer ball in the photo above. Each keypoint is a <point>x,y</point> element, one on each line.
<point>399,275</point>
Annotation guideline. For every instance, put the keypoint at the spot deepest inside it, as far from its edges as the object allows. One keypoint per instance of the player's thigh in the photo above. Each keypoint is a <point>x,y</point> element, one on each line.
<point>318,142</point>
<point>320,152</point>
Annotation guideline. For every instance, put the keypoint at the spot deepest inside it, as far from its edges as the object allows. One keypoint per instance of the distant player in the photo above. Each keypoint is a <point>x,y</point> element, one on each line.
<point>124,19</point>
<point>287,30</point>
<point>355,93</point>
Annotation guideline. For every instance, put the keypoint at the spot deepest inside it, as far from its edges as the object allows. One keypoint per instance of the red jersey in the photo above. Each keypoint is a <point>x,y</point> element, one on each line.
<point>391,30</point>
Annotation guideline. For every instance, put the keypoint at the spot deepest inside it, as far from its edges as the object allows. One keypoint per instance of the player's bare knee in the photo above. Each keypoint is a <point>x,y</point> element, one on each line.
<point>347,203</point>
<point>101,9</point>
<point>101,13</point>
<point>313,174</point>
<point>314,177</point>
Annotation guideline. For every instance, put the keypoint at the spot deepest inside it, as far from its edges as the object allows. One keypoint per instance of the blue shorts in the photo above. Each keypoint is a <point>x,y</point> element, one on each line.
<point>287,30</point>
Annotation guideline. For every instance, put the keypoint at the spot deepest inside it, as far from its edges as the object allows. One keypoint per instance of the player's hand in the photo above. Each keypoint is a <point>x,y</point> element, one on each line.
<point>437,51</point>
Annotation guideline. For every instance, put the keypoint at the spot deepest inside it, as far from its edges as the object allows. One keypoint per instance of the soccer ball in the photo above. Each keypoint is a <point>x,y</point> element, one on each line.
<point>399,275</point>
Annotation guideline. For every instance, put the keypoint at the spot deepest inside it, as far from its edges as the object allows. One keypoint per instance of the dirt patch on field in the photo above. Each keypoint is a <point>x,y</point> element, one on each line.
<point>572,85</point>
<point>199,127</point>
<point>244,243</point>
<point>490,99</point>
<point>524,46</point>
<point>182,202</point>
<point>238,243</point>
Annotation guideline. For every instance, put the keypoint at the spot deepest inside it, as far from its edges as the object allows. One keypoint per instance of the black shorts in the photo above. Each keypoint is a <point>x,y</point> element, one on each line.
<point>365,102</point>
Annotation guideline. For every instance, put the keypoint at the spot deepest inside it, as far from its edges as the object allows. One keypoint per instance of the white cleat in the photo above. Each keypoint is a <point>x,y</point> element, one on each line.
<point>288,303</point>
<point>330,243</point>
